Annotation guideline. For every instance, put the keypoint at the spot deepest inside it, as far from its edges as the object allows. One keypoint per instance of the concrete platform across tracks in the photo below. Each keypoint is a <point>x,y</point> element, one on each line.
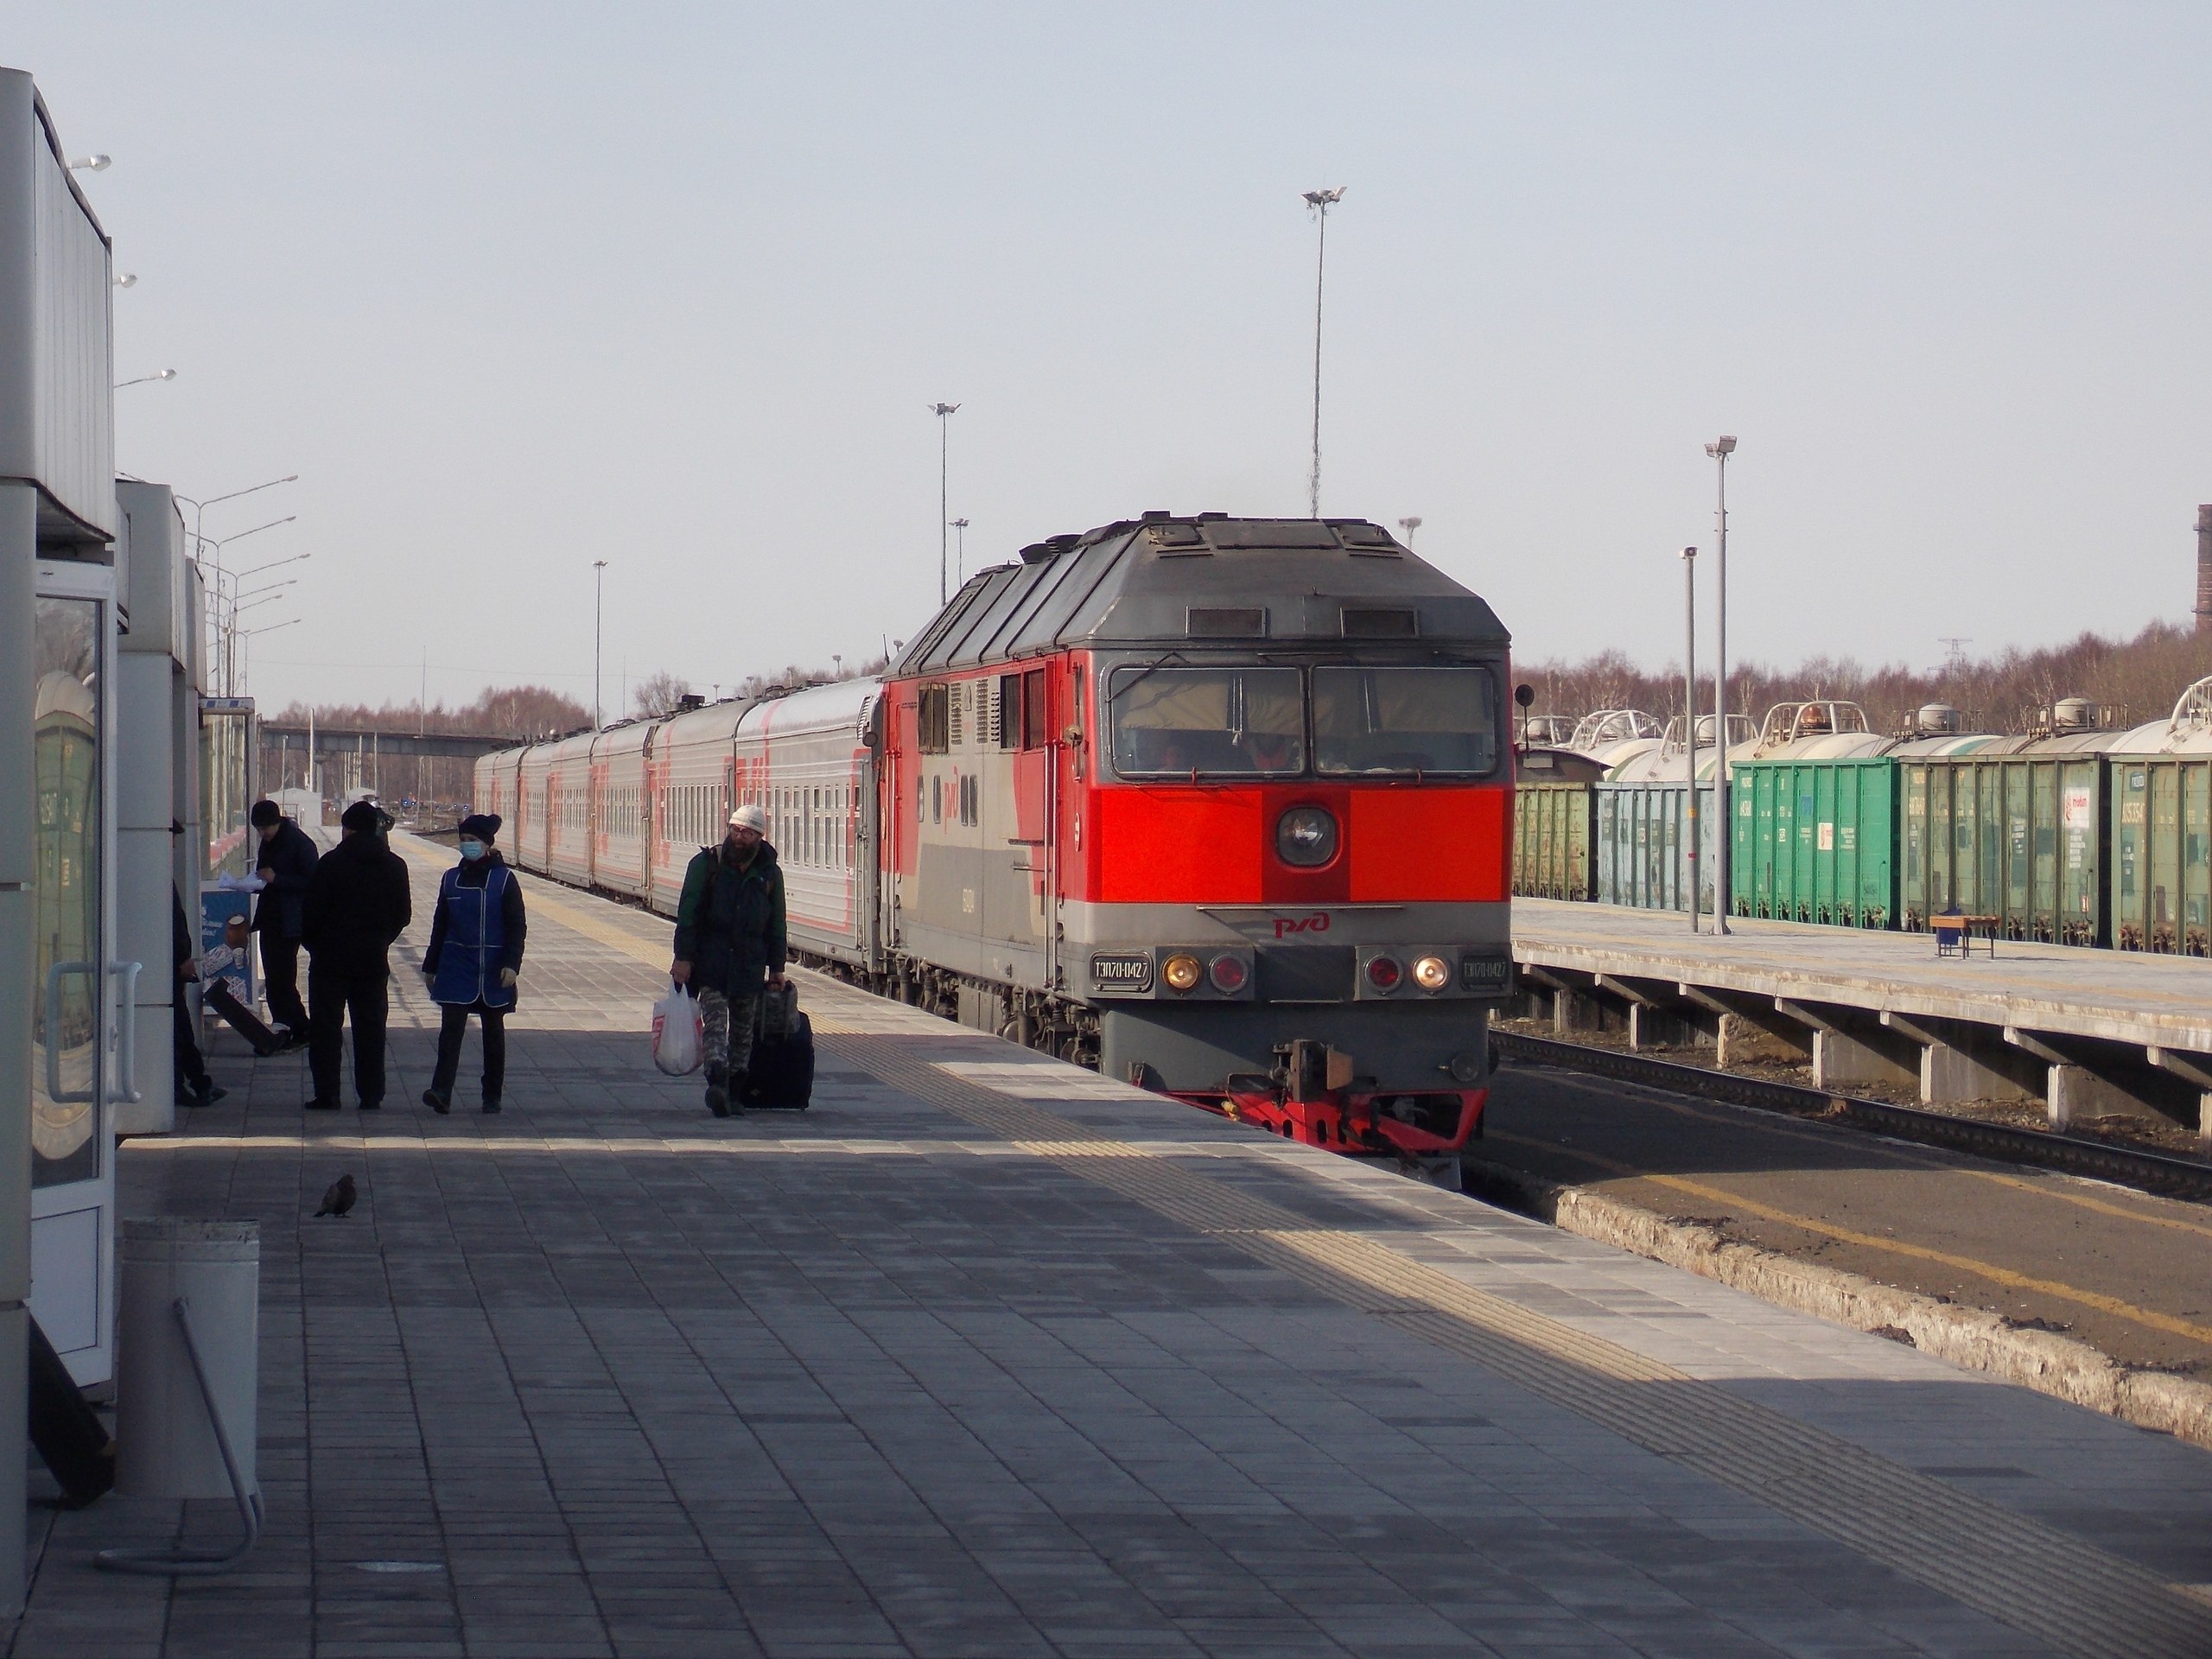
<point>2089,1032</point>
<point>985,1355</point>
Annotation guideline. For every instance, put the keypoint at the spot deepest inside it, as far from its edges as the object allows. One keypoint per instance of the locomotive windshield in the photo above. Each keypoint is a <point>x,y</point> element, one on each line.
<point>1252,723</point>
<point>1371,722</point>
<point>1217,721</point>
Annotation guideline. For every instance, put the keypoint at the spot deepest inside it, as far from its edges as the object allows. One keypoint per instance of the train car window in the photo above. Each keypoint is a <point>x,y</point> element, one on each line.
<point>932,715</point>
<point>1387,721</point>
<point>1033,709</point>
<point>1204,722</point>
<point>1009,711</point>
<point>937,800</point>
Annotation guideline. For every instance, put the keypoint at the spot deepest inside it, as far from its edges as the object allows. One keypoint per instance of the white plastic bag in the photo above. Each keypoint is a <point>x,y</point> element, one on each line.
<point>679,1038</point>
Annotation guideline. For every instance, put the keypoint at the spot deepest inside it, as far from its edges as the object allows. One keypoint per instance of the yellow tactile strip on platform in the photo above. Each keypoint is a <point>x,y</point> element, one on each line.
<point>1993,1560</point>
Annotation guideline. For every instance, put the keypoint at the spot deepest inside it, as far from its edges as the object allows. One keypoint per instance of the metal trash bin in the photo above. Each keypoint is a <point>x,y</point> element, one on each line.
<point>165,1445</point>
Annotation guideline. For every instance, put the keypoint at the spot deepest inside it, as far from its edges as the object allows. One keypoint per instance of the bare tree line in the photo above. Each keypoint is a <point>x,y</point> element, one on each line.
<point>2130,680</point>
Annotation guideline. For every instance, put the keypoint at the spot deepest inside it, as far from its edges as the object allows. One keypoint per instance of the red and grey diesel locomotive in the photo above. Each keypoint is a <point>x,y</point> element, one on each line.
<point>1220,805</point>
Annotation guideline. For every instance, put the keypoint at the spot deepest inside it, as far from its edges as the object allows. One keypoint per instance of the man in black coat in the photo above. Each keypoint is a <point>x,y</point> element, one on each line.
<point>286,863</point>
<point>357,904</point>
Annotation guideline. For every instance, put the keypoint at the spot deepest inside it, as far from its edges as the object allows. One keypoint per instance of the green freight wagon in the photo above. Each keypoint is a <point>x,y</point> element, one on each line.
<point>1551,841</point>
<point>1639,846</point>
<point>2012,828</point>
<point>2158,816</point>
<point>1815,832</point>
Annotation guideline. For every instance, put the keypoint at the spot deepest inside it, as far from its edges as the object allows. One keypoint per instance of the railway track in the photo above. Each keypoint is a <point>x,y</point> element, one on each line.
<point>2146,1172</point>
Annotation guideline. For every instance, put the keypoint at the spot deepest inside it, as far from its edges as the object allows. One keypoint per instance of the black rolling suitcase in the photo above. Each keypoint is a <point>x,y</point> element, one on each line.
<point>781,1075</point>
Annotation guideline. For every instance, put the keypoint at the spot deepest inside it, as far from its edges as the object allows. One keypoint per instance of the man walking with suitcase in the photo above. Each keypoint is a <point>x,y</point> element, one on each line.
<point>729,944</point>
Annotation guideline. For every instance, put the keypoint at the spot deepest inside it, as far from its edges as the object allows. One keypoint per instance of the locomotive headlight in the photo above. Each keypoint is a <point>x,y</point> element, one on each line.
<point>1228,974</point>
<point>1181,971</point>
<point>1432,973</point>
<point>1305,837</point>
<point>1385,973</point>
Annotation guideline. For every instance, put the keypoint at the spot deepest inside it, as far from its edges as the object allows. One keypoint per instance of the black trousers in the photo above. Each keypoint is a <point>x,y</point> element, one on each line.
<point>338,988</point>
<point>280,981</point>
<point>191,1069</point>
<point>453,1026</point>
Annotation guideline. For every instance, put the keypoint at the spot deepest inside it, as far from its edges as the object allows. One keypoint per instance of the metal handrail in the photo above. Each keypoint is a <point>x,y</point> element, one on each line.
<point>127,1059</point>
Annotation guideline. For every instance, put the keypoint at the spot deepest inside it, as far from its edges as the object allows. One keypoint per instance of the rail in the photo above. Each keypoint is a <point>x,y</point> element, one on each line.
<point>2148,1172</point>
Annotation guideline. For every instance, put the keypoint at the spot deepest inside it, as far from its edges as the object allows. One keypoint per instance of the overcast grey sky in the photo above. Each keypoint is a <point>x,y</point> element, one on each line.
<point>518,287</point>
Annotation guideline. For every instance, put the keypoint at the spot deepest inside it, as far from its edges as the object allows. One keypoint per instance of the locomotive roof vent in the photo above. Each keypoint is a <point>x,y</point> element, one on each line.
<point>1048,550</point>
<point>1151,513</point>
<point>1172,539</point>
<point>1360,536</point>
<point>1204,622</point>
<point>1366,623</point>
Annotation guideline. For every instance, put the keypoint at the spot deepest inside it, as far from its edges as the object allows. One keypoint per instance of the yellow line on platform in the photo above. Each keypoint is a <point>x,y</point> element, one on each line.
<point>2144,1316</point>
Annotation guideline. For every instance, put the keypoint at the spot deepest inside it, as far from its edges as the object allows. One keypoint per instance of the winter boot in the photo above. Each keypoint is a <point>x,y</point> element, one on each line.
<point>718,1090</point>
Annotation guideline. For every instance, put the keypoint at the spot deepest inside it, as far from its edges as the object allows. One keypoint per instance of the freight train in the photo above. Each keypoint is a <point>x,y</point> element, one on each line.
<point>1222,806</point>
<point>2072,835</point>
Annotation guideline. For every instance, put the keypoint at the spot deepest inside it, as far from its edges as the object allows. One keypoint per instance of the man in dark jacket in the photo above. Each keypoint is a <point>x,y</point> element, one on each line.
<point>475,958</point>
<point>286,861</point>
<point>357,905</point>
<point>729,942</point>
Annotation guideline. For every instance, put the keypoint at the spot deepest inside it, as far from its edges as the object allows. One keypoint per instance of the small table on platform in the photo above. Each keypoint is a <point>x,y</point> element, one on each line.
<point>1956,935</point>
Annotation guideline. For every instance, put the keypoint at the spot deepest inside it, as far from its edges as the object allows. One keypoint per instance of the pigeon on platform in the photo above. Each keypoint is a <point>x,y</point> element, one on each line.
<point>338,1197</point>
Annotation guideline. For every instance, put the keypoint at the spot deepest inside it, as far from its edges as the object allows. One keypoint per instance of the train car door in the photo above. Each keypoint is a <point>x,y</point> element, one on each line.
<point>81,1035</point>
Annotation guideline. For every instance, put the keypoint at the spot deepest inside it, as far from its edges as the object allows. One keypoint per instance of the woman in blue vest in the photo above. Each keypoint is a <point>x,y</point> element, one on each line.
<point>475,957</point>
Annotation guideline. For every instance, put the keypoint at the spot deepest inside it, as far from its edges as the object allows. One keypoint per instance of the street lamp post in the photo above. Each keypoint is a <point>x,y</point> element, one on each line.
<point>1689,727</point>
<point>598,598</point>
<point>945,412</point>
<point>960,549</point>
<point>1409,525</point>
<point>1723,831</point>
<point>1320,202</point>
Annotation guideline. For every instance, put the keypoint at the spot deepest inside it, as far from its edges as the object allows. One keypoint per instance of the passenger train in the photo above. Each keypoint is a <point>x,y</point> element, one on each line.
<point>1222,806</point>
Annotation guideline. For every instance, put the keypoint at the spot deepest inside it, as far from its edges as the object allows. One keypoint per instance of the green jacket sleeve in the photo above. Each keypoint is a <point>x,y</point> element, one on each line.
<point>687,908</point>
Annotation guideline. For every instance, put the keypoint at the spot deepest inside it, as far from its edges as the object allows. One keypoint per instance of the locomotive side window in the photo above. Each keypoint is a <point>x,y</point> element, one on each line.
<point>1369,721</point>
<point>932,720</point>
<point>1033,709</point>
<point>1212,722</point>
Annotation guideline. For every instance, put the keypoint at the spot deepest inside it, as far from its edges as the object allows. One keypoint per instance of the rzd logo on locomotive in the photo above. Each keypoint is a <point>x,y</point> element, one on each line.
<point>1286,925</point>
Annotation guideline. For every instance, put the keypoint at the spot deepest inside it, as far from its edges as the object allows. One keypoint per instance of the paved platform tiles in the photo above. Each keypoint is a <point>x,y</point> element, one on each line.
<point>987,1356</point>
<point>2125,996</point>
<point>2129,1273</point>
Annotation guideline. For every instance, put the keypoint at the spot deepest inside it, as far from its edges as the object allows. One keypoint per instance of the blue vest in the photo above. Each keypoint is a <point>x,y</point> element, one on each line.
<point>476,938</point>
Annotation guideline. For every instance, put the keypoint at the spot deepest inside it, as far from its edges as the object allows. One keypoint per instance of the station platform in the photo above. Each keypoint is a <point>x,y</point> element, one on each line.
<point>2090,1032</point>
<point>985,1355</point>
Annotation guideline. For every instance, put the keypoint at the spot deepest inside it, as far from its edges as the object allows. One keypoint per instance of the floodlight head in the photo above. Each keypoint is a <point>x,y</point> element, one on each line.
<point>92,163</point>
<point>1322,200</point>
<point>1721,446</point>
<point>126,279</point>
<point>944,409</point>
<point>166,374</point>
<point>1690,552</point>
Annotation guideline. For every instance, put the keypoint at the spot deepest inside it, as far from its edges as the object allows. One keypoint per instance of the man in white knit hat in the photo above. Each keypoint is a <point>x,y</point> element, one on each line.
<point>729,944</point>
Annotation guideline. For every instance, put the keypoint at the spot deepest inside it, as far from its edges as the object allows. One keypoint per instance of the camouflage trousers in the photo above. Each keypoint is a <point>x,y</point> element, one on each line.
<point>727,1024</point>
